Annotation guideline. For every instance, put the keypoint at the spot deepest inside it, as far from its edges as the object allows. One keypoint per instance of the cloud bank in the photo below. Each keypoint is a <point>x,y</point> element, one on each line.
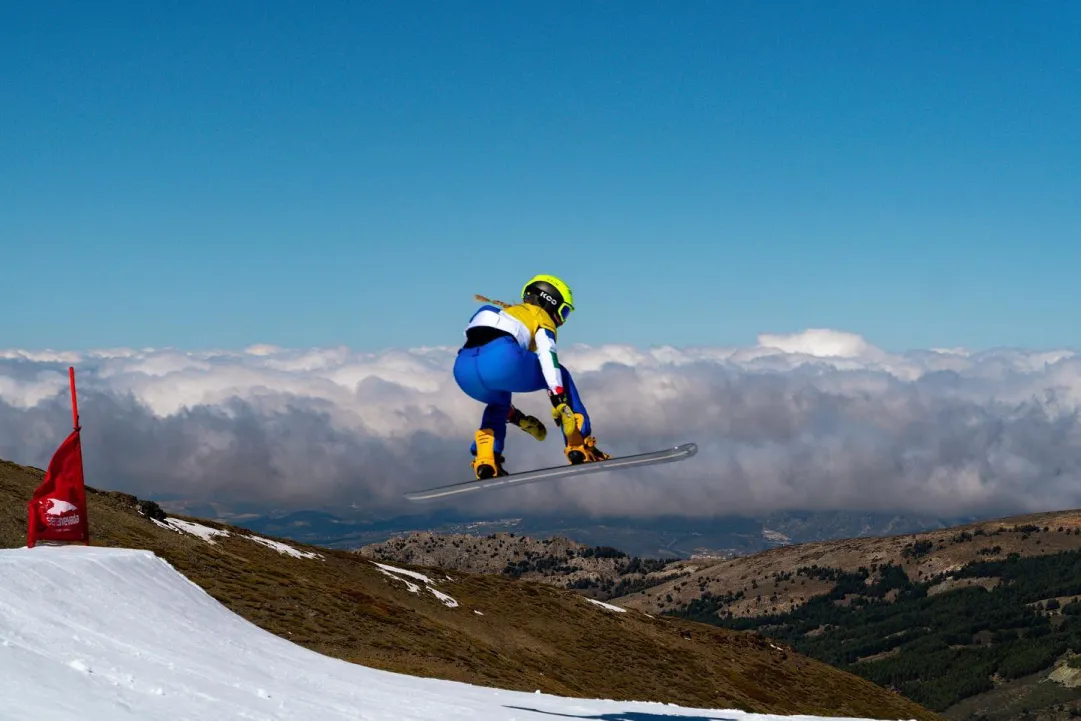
<point>815,420</point>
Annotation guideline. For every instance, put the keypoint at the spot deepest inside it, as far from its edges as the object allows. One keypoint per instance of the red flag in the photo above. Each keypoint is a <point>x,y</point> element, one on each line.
<point>57,509</point>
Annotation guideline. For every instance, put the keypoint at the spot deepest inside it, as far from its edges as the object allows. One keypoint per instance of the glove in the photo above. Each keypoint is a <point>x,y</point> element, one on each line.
<point>562,413</point>
<point>559,399</point>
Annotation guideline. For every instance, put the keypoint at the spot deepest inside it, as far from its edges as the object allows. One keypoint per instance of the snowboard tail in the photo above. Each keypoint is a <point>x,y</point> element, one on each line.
<point>667,455</point>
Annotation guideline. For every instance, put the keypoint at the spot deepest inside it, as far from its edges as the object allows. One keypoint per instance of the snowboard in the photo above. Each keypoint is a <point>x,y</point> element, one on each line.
<point>667,455</point>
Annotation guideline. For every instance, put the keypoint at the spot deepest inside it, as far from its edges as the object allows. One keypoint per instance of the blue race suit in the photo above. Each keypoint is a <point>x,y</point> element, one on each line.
<point>511,362</point>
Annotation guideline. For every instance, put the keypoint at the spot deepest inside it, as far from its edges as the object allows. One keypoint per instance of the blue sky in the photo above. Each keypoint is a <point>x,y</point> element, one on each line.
<point>214,175</point>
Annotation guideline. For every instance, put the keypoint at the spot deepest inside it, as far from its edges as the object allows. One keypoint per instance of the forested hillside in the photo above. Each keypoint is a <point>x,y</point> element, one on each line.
<point>938,641</point>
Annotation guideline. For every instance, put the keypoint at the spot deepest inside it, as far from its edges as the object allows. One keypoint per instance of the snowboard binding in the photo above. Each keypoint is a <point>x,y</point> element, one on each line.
<point>484,471</point>
<point>578,449</point>
<point>487,463</point>
<point>585,452</point>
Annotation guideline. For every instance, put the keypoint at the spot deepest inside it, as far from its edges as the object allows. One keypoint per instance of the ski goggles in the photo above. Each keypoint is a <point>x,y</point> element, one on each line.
<point>564,311</point>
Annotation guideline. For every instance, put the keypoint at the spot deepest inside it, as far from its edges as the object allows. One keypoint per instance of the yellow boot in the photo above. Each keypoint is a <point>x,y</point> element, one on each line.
<point>579,449</point>
<point>487,464</point>
<point>529,424</point>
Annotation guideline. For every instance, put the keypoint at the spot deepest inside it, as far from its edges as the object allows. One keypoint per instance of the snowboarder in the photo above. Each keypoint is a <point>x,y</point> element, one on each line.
<point>512,349</point>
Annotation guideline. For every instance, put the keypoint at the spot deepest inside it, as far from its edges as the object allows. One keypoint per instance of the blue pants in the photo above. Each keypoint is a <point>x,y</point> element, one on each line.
<point>493,372</point>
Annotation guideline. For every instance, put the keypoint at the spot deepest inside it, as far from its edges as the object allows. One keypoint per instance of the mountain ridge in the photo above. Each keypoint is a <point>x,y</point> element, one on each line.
<point>722,575</point>
<point>663,536</point>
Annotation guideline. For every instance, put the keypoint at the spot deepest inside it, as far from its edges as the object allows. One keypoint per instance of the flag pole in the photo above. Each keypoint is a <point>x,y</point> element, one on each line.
<point>74,400</point>
<point>77,429</point>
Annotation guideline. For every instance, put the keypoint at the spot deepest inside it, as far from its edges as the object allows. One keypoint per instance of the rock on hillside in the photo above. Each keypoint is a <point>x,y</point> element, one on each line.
<point>599,572</point>
<point>480,629</point>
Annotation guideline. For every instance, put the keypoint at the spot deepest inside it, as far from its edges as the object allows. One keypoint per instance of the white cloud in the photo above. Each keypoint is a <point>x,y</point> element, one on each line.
<point>820,419</point>
<point>821,343</point>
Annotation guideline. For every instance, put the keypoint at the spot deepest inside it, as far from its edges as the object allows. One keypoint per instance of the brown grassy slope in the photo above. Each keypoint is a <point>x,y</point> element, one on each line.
<point>767,592</point>
<point>530,636</point>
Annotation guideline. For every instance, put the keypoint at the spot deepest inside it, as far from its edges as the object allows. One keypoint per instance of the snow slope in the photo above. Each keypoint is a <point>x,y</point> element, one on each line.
<point>99,634</point>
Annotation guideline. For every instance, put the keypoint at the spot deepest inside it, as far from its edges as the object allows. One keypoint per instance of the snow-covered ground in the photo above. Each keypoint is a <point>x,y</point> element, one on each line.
<point>96,634</point>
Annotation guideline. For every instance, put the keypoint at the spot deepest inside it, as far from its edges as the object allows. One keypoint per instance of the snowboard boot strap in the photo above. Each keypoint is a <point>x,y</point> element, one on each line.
<point>487,464</point>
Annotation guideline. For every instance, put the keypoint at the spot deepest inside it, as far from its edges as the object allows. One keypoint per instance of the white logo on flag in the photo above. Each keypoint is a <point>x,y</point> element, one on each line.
<point>56,507</point>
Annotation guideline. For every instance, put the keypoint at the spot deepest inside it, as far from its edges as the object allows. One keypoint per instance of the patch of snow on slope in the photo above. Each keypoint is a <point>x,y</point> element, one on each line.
<point>206,533</point>
<point>607,606</point>
<point>284,548</point>
<point>405,572</point>
<point>447,600</point>
<point>397,573</point>
<point>412,587</point>
<point>99,634</point>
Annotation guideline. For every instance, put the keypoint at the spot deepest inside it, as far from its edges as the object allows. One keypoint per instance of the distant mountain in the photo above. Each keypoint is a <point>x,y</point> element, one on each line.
<point>768,582</point>
<point>599,572</point>
<point>665,537</point>
<point>803,527</point>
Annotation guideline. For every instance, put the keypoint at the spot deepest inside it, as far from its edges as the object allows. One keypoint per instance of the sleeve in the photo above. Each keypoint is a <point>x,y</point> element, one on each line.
<point>546,352</point>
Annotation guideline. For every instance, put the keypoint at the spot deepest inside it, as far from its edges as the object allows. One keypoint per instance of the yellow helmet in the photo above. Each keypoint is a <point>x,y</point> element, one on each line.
<point>552,294</point>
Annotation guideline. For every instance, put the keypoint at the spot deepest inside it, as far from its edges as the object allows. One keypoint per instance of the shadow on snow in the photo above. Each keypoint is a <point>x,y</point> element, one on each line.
<point>625,716</point>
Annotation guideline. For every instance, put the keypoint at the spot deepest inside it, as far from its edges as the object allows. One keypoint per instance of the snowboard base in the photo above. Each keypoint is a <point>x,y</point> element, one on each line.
<point>667,455</point>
